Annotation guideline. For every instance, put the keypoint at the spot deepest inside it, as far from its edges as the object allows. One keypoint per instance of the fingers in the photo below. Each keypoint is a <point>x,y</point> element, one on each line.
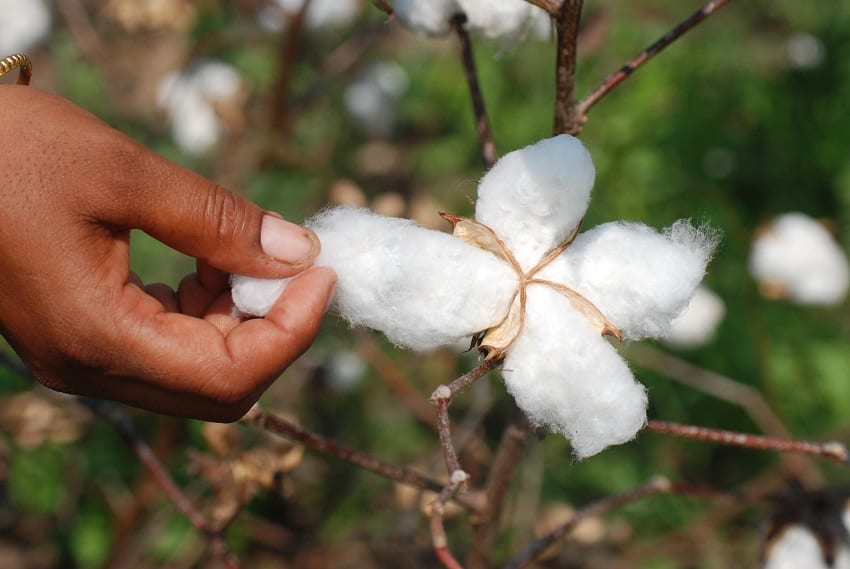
<point>219,368</point>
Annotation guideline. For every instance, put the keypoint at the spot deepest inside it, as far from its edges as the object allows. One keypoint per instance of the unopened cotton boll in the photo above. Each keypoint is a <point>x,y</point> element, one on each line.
<point>189,99</point>
<point>796,258</point>
<point>697,324</point>
<point>533,198</point>
<point>23,24</point>
<point>575,384</point>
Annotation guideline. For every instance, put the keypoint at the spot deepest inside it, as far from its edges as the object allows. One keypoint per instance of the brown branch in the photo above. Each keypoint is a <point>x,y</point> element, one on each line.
<point>482,121</point>
<point>463,381</point>
<point>442,398</point>
<point>438,531</point>
<point>550,6</point>
<point>619,76</point>
<point>566,21</point>
<point>514,439</point>
<point>384,7</point>
<point>833,450</point>
<point>289,51</point>
<point>258,418</point>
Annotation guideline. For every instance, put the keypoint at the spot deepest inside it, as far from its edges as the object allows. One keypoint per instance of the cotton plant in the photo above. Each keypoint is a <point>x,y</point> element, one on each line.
<point>23,25</point>
<point>505,19</point>
<point>523,281</point>
<point>190,99</point>
<point>796,258</point>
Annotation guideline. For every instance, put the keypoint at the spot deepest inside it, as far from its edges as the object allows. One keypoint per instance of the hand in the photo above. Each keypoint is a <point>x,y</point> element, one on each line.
<point>71,188</point>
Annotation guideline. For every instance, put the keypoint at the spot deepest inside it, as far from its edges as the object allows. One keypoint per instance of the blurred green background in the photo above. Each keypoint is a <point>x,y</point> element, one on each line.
<point>744,118</point>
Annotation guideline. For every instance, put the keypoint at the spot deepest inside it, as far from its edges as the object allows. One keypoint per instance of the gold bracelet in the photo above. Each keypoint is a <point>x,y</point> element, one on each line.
<point>20,61</point>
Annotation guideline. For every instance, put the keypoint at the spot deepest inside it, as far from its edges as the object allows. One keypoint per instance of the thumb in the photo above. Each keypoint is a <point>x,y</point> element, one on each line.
<point>199,218</point>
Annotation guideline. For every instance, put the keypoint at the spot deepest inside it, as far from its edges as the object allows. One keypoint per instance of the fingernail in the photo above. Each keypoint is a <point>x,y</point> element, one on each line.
<point>288,242</point>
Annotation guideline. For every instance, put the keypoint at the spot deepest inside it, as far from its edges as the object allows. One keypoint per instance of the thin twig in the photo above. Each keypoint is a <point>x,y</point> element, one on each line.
<point>483,369</point>
<point>482,121</point>
<point>258,418</point>
<point>438,531</point>
<point>442,398</point>
<point>712,383</point>
<point>514,439</point>
<point>833,450</point>
<point>619,76</point>
<point>566,21</point>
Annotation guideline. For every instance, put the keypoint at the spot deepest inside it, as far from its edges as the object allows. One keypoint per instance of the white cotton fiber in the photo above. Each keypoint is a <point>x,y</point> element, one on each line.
<point>430,17</point>
<point>534,197</point>
<point>639,278</point>
<point>796,258</point>
<point>321,14</point>
<point>422,288</point>
<point>697,324</point>
<point>23,24</point>
<point>255,297</point>
<point>798,548</point>
<point>189,100</point>
<point>502,19</point>
<point>568,378</point>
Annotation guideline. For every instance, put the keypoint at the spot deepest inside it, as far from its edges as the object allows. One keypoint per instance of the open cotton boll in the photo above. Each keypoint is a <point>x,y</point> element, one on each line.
<point>574,383</point>
<point>797,548</point>
<point>796,258</point>
<point>372,99</point>
<point>23,24</point>
<point>420,287</point>
<point>639,278</point>
<point>429,17</point>
<point>534,197</point>
<point>697,324</point>
<point>503,19</point>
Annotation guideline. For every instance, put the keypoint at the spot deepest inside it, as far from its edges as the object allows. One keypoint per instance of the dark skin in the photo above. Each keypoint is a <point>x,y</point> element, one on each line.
<point>71,189</point>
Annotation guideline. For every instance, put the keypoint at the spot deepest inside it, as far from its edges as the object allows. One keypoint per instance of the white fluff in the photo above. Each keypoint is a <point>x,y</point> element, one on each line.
<point>796,258</point>
<point>798,548</point>
<point>567,377</point>
<point>373,98</point>
<point>639,278</point>
<point>189,100</point>
<point>502,19</point>
<point>697,324</point>
<point>423,288</point>
<point>534,197</point>
<point>23,24</point>
<point>321,14</point>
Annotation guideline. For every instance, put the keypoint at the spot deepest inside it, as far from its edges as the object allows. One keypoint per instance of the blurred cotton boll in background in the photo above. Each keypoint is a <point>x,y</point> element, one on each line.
<point>795,258</point>
<point>372,99</point>
<point>192,99</point>
<point>321,14</point>
<point>804,51</point>
<point>505,19</point>
<point>23,24</point>
<point>697,324</point>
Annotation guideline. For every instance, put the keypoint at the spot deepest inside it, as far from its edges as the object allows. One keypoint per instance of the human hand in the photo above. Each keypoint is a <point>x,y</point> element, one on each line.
<point>71,188</point>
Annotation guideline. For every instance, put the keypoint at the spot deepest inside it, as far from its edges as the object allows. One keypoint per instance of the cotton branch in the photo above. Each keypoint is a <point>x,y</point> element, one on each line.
<point>615,79</point>
<point>482,121</point>
<point>438,531</point>
<point>833,450</point>
<point>566,20</point>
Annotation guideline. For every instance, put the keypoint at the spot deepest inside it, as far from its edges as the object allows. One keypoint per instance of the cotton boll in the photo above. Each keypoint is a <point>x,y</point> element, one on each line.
<point>23,24</point>
<point>796,258</point>
<point>797,547</point>
<point>430,17</point>
<point>422,288</point>
<point>321,14</point>
<point>189,99</point>
<point>696,325</point>
<point>640,279</point>
<point>534,197</point>
<point>344,371</point>
<point>503,19</point>
<point>565,376</point>
<point>373,98</point>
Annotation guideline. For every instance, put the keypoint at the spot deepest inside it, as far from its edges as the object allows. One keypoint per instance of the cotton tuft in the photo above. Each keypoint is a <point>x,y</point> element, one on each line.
<point>505,19</point>
<point>798,548</point>
<point>541,296</point>
<point>796,258</point>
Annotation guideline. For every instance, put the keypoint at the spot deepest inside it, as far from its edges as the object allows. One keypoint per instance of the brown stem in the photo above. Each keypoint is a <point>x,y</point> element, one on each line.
<point>442,398</point>
<point>289,52</point>
<point>550,6</point>
<point>833,450</point>
<point>483,369</point>
<point>258,418</point>
<point>438,531</point>
<point>514,440</point>
<point>566,21</point>
<point>482,121</point>
<point>537,547</point>
<point>618,77</point>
